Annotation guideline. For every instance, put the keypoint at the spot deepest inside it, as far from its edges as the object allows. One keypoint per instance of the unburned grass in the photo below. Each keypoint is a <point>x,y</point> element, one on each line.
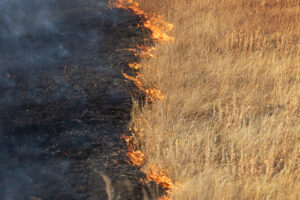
<point>229,124</point>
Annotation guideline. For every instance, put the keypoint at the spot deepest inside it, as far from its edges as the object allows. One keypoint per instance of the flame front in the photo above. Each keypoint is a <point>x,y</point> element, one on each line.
<point>155,23</point>
<point>159,33</point>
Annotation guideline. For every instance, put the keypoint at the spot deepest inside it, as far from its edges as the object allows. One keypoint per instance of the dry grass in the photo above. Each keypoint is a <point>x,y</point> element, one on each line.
<point>109,188</point>
<point>229,126</point>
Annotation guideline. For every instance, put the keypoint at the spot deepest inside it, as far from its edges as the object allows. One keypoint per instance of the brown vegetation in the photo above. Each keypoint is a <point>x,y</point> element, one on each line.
<point>229,124</point>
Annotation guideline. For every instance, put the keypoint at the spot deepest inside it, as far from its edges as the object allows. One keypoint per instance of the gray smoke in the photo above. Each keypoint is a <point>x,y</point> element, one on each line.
<point>19,18</point>
<point>26,33</point>
<point>38,38</point>
<point>37,35</point>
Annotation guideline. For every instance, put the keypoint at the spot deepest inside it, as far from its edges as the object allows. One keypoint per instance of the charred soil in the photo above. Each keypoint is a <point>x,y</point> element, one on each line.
<point>63,112</point>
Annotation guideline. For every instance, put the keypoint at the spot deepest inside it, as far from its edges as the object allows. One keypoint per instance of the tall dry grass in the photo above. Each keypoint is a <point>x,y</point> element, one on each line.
<point>229,126</point>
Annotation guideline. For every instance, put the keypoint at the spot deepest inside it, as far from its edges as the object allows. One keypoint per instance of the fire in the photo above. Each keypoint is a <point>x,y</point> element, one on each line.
<point>155,23</point>
<point>159,28</point>
<point>138,83</point>
<point>142,51</point>
<point>152,94</point>
<point>127,5</point>
<point>164,198</point>
<point>159,33</point>
<point>135,66</point>
<point>137,157</point>
<point>159,176</point>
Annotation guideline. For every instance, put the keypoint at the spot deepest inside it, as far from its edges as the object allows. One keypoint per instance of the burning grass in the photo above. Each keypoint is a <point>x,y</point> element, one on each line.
<point>159,33</point>
<point>229,123</point>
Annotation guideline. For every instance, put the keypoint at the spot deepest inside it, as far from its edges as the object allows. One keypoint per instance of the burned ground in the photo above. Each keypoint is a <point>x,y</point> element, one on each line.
<point>64,103</point>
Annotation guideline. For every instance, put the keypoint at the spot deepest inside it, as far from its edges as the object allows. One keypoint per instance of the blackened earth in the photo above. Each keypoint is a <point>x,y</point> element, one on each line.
<point>64,105</point>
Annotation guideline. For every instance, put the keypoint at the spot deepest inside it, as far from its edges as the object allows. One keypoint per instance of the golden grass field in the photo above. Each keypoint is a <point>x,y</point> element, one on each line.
<point>229,125</point>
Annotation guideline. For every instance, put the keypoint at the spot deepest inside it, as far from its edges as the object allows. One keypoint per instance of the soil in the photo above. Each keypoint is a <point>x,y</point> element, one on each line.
<point>62,113</point>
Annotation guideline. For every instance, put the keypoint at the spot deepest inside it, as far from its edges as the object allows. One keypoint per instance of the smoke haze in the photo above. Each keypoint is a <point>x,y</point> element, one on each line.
<point>63,100</point>
<point>39,39</point>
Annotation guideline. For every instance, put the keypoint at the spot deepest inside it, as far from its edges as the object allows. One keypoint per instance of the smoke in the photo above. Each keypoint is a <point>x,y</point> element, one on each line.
<point>19,18</point>
<point>39,34</point>
<point>21,182</point>
<point>27,33</point>
<point>39,39</point>
<point>60,71</point>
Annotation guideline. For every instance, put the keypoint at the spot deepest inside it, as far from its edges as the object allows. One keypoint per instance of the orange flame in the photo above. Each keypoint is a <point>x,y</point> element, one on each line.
<point>159,176</point>
<point>135,66</point>
<point>159,28</point>
<point>164,198</point>
<point>137,157</point>
<point>127,5</point>
<point>145,51</point>
<point>142,51</point>
<point>152,94</point>
<point>138,83</point>
<point>159,32</point>
<point>155,23</point>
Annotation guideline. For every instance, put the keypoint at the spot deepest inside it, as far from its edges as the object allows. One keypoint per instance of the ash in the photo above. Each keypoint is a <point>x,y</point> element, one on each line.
<point>63,100</point>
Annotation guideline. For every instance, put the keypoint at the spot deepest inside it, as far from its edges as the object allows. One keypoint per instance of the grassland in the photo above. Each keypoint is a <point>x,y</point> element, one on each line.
<point>229,125</point>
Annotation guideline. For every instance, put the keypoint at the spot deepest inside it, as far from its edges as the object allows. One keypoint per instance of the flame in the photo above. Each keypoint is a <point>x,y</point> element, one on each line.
<point>155,23</point>
<point>142,51</point>
<point>145,51</point>
<point>135,66</point>
<point>159,28</point>
<point>159,176</point>
<point>159,33</point>
<point>137,157</point>
<point>127,5</point>
<point>164,198</point>
<point>152,94</point>
<point>138,83</point>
